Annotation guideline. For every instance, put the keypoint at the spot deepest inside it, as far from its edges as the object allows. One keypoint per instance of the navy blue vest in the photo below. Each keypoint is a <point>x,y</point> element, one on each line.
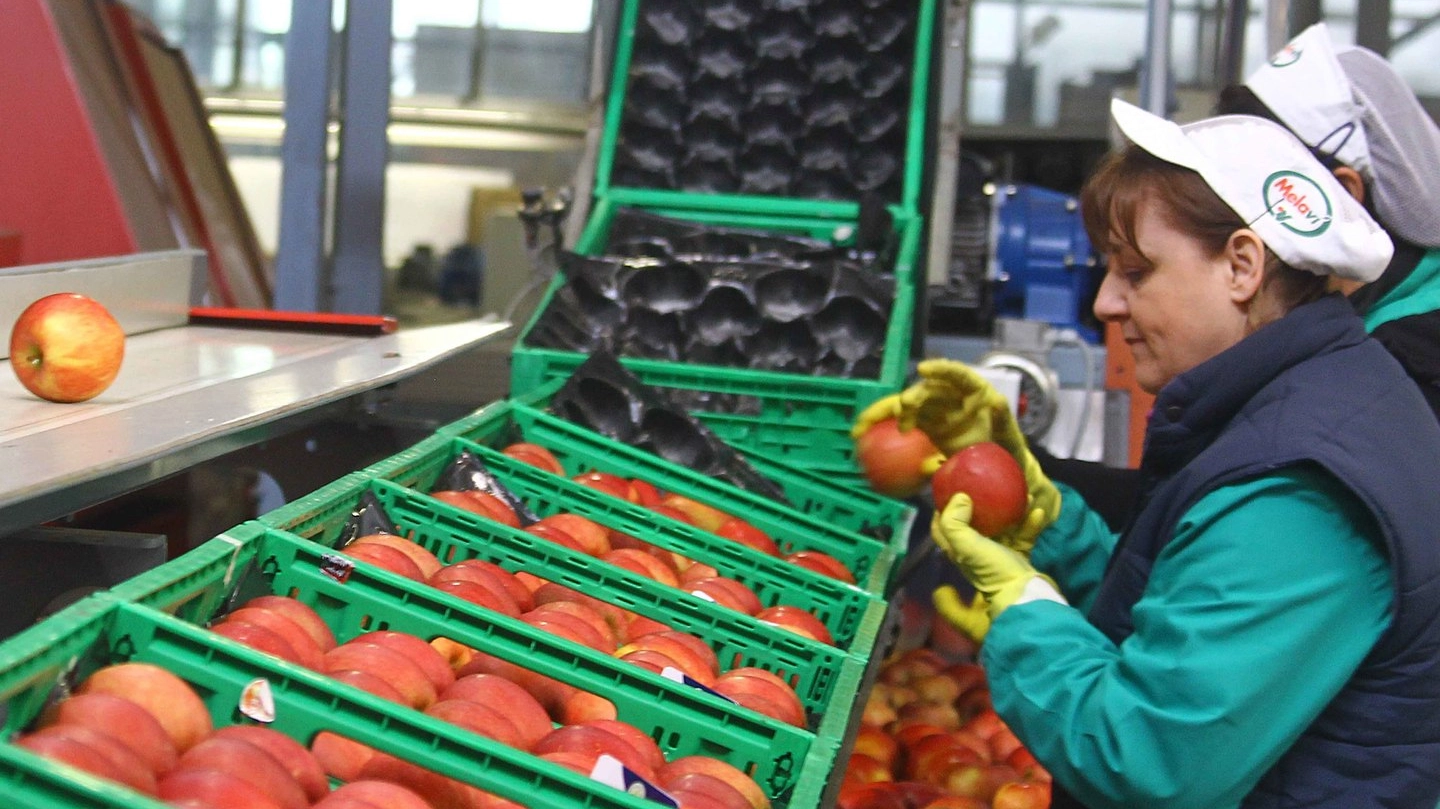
<point>1311,388</point>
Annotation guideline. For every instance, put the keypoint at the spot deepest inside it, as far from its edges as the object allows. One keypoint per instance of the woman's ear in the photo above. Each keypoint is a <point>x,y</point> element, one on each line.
<point>1352,182</point>
<point>1245,253</point>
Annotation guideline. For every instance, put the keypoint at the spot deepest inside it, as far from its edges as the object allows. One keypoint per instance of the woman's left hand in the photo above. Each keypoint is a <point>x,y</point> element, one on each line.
<point>1003,576</point>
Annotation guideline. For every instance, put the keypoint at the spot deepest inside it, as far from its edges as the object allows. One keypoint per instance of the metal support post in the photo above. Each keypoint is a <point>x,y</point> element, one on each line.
<point>300,254</point>
<point>1155,70</point>
<point>949,120</point>
<point>358,272</point>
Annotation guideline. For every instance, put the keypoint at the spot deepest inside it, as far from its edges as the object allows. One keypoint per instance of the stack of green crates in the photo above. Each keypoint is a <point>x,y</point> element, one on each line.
<point>802,419</point>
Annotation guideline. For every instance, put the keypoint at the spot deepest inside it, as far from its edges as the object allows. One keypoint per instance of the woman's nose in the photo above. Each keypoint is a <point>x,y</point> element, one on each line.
<point>1109,303</point>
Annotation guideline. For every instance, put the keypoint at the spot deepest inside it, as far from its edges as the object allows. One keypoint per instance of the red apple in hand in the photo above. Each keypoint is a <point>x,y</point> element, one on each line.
<point>992,477</point>
<point>891,458</point>
<point>66,347</point>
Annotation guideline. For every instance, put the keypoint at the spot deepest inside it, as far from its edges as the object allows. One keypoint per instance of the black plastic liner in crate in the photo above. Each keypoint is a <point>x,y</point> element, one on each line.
<point>802,98</point>
<point>787,305</point>
<point>603,396</point>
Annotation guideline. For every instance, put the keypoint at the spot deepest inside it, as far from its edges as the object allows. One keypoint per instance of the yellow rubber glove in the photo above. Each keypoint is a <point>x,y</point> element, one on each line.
<point>1002,576</point>
<point>971,619</point>
<point>957,407</point>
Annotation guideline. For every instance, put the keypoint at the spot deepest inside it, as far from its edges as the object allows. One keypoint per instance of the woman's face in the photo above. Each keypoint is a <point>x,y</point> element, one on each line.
<point>1176,306</point>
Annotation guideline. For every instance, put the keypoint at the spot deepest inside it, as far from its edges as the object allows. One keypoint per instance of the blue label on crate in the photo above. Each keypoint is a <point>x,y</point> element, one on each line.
<point>337,566</point>
<point>608,770</point>
<point>672,673</point>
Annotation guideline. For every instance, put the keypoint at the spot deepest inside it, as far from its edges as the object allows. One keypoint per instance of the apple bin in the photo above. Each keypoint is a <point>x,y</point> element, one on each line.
<point>848,612</point>
<point>135,622</point>
<point>821,515</point>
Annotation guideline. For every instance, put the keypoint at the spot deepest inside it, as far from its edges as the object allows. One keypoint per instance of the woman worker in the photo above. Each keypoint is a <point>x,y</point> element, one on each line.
<point>1361,119</point>
<point>1266,632</point>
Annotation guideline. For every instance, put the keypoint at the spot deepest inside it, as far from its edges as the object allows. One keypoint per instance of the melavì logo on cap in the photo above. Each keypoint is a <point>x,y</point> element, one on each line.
<point>1287,56</point>
<point>1297,202</point>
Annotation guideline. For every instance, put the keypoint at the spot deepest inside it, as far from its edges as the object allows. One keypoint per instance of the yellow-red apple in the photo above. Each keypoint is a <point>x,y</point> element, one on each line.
<point>66,347</point>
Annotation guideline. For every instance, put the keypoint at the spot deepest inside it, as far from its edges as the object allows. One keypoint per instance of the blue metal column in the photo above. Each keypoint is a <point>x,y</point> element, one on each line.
<point>358,271</point>
<point>300,254</point>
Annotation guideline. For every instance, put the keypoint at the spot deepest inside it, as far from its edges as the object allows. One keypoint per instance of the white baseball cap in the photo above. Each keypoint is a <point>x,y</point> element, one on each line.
<point>1349,102</point>
<point>1271,180</point>
<point>1305,86</point>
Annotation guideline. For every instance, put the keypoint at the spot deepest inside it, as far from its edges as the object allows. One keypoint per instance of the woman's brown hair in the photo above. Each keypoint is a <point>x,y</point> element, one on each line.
<point>1111,201</point>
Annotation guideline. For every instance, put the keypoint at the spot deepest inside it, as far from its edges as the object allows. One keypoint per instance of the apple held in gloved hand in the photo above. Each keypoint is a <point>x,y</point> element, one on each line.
<point>994,481</point>
<point>892,459</point>
<point>66,347</point>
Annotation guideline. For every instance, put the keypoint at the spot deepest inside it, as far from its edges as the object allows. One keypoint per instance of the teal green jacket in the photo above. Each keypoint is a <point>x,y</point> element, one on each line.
<point>1254,617</point>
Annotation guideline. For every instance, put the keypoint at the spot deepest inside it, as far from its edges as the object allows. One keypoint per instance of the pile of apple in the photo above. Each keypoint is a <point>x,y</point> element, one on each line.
<point>577,617</point>
<point>929,737</point>
<point>586,536</point>
<point>142,726</point>
<point>684,509</point>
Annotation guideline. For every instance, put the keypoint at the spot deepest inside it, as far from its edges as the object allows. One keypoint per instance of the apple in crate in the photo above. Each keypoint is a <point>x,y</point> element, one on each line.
<point>66,347</point>
<point>168,698</point>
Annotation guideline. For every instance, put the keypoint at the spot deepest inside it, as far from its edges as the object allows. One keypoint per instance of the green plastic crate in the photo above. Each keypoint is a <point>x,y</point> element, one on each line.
<point>821,520</point>
<point>802,420</point>
<point>253,560</point>
<point>914,157</point>
<point>835,500</point>
<point>71,644</point>
<point>848,611</point>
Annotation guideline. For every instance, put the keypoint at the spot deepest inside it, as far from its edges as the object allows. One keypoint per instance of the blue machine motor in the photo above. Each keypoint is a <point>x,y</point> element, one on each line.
<point>1042,263</point>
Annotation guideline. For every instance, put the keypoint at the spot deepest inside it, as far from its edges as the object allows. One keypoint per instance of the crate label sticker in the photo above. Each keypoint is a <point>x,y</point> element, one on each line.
<point>609,771</point>
<point>257,701</point>
<point>337,566</point>
<point>672,673</point>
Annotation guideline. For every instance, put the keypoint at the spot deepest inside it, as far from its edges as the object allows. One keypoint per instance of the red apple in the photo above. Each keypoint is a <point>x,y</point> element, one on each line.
<point>298,761</point>
<point>387,558</point>
<point>705,517</point>
<point>342,758</point>
<point>579,707</point>
<point>639,626</point>
<point>879,795</point>
<point>215,789</point>
<point>66,347</point>
<point>536,456</point>
<point>482,503</point>
<point>257,637</point>
<point>439,791</point>
<point>700,791</point>
<point>421,653</point>
<point>593,537</point>
<point>891,458</point>
<point>477,718</point>
<point>822,563</point>
<point>716,768</point>
<point>307,651</point>
<point>645,492</point>
<point>992,477</point>
<point>251,764</point>
<point>455,653</point>
<point>635,737</point>
<point>560,537</point>
<point>393,667</point>
<point>762,691</point>
<point>613,485</point>
<point>798,620</point>
<point>874,742</point>
<point>590,740</point>
<point>168,698</point>
<point>490,595</point>
<point>299,612</point>
<point>118,717</point>
<point>1021,795</point>
<point>866,769</point>
<point>569,627</point>
<point>681,646</point>
<point>494,691</point>
<point>726,592</point>
<point>524,598</point>
<point>618,619</point>
<point>644,564</point>
<point>379,794</point>
<point>746,534</point>
<point>419,554</point>
<point>586,613</point>
<point>92,751</point>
